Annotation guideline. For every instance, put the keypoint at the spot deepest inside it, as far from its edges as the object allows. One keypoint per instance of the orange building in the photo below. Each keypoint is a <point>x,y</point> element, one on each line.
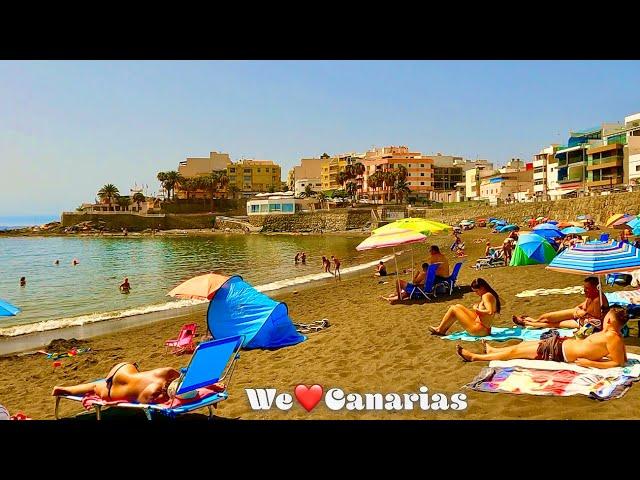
<point>419,170</point>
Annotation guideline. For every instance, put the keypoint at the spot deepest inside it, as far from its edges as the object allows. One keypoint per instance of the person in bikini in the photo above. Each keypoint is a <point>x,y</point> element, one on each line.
<point>603,349</point>
<point>476,320</point>
<point>126,382</point>
<point>589,311</point>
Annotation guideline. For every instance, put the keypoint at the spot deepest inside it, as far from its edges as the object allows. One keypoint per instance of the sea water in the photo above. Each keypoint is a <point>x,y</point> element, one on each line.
<point>57,296</point>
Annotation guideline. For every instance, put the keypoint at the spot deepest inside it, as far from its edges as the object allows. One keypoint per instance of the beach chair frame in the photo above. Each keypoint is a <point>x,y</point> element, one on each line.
<point>429,283</point>
<point>209,401</point>
<point>173,345</point>
<point>452,280</point>
<point>496,260</point>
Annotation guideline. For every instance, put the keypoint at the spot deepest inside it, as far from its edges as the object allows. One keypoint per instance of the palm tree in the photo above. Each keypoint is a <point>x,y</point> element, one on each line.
<point>188,185</point>
<point>223,181</point>
<point>359,169</point>
<point>308,191</point>
<point>401,188</point>
<point>138,197</point>
<point>322,197</point>
<point>210,184</point>
<point>389,178</point>
<point>169,181</point>
<point>123,202</point>
<point>233,190</point>
<point>342,178</point>
<point>372,182</point>
<point>271,189</point>
<point>352,189</point>
<point>108,192</point>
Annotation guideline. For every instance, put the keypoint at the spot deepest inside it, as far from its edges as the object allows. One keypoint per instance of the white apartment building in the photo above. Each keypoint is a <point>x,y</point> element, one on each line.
<point>541,172</point>
<point>633,146</point>
<point>300,185</point>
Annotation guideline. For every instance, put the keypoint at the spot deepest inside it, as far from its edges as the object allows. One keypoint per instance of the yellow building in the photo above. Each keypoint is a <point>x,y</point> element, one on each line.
<point>254,175</point>
<point>200,166</point>
<point>334,165</point>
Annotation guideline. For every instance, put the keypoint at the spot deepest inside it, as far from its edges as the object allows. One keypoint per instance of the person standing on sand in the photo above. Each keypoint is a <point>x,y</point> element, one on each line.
<point>507,248</point>
<point>326,264</point>
<point>336,267</point>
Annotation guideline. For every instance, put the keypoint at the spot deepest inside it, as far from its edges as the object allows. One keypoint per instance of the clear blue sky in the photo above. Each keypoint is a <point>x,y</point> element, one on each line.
<point>67,128</point>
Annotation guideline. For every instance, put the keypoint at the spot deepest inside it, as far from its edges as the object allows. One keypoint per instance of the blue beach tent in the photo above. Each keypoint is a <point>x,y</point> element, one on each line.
<point>239,309</point>
<point>8,310</point>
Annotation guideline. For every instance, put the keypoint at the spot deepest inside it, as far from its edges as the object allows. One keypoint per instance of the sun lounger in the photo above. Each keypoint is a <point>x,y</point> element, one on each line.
<point>495,260</point>
<point>208,374</point>
<point>184,342</point>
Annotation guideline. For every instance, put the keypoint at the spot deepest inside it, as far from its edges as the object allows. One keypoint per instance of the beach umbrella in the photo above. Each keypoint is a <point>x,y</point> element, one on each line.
<point>532,249</point>
<point>466,222</point>
<point>420,225</point>
<point>614,218</point>
<point>507,228</point>
<point>622,222</point>
<point>597,258</point>
<point>7,309</point>
<point>553,222</point>
<point>634,223</point>
<point>392,239</point>
<point>573,230</point>
<point>202,287</point>
<point>548,231</point>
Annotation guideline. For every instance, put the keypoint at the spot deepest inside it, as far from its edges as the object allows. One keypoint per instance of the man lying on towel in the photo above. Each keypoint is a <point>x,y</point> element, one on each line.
<point>126,383</point>
<point>589,311</point>
<point>603,349</point>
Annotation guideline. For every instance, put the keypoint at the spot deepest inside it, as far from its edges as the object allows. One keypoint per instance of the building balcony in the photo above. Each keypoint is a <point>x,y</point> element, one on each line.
<point>617,180</point>
<point>606,162</point>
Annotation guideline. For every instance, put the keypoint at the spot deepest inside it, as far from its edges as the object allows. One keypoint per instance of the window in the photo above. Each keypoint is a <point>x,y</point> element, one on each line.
<point>255,208</point>
<point>266,170</point>
<point>275,207</point>
<point>409,166</point>
<point>287,207</point>
<point>264,208</point>
<point>422,165</point>
<point>232,170</point>
<point>422,174</point>
<point>259,170</point>
<point>247,170</point>
<point>637,168</point>
<point>421,183</point>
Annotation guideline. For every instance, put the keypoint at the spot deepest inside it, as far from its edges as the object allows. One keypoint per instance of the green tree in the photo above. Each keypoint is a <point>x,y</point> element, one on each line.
<point>210,185</point>
<point>123,202</point>
<point>108,192</point>
<point>342,178</point>
<point>352,189</point>
<point>389,178</point>
<point>188,185</point>
<point>322,197</point>
<point>401,189</point>
<point>223,181</point>
<point>233,190</point>
<point>138,197</point>
<point>169,180</point>
<point>272,188</point>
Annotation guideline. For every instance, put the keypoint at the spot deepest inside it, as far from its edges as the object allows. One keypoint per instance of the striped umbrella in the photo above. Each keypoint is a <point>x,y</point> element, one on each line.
<point>622,222</point>
<point>597,258</point>
<point>634,223</point>
<point>8,310</point>
<point>421,225</point>
<point>614,218</point>
<point>392,238</point>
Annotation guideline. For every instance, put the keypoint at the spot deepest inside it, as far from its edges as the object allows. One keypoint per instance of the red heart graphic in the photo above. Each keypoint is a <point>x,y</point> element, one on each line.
<point>308,396</point>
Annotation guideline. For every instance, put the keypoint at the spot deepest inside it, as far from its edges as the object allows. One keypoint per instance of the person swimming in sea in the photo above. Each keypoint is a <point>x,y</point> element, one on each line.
<point>297,258</point>
<point>125,286</point>
<point>23,281</point>
<point>75,262</point>
<point>303,258</point>
<point>57,262</point>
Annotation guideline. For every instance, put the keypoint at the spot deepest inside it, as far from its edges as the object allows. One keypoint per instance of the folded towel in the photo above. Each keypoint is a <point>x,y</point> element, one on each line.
<point>500,334</point>
<point>623,297</point>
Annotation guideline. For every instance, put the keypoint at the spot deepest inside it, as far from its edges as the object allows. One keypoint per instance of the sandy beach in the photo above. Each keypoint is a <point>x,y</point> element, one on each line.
<point>371,346</point>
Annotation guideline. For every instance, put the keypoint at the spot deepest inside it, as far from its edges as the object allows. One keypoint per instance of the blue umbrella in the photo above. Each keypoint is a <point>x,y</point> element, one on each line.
<point>507,228</point>
<point>553,222</point>
<point>635,223</point>
<point>8,310</point>
<point>573,230</point>
<point>545,226</point>
<point>597,258</point>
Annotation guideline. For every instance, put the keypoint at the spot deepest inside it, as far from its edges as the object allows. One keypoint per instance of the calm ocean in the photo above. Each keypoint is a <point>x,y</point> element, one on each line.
<point>62,295</point>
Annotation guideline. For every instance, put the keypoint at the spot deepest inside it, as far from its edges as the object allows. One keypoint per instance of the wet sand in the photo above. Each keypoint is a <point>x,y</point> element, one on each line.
<point>371,346</point>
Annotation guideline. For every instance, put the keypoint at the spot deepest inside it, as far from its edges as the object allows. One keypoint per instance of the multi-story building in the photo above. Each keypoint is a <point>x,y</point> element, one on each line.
<point>508,184</point>
<point>332,166</point>
<point>449,177</point>
<point>574,158</point>
<point>199,166</point>
<point>541,171</point>
<point>632,157</point>
<point>473,180</point>
<point>301,184</point>
<point>254,176</point>
<point>309,168</point>
<point>419,170</point>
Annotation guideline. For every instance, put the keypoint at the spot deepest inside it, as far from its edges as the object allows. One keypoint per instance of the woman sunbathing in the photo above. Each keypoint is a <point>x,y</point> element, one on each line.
<point>603,349</point>
<point>126,382</point>
<point>477,320</point>
<point>589,311</point>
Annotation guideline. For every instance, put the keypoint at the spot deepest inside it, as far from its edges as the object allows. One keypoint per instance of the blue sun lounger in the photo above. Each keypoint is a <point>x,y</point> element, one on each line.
<point>212,362</point>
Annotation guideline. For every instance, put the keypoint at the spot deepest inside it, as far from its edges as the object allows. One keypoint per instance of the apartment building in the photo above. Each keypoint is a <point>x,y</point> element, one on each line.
<point>200,166</point>
<point>309,168</point>
<point>332,166</point>
<point>419,170</point>
<point>508,184</point>
<point>254,176</point>
<point>541,171</point>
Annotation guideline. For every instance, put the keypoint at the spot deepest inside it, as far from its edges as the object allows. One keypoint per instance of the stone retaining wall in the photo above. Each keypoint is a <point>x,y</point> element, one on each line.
<point>136,223</point>
<point>318,221</point>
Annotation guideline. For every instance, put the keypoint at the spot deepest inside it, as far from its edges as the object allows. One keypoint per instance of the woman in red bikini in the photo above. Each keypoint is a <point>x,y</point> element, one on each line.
<point>477,320</point>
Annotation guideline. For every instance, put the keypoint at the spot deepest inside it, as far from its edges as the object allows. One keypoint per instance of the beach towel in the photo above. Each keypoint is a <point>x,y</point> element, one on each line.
<point>91,399</point>
<point>551,291</point>
<point>623,297</point>
<point>500,334</point>
<point>538,377</point>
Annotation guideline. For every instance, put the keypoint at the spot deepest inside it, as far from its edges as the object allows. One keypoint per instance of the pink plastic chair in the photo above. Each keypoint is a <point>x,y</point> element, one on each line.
<point>184,342</point>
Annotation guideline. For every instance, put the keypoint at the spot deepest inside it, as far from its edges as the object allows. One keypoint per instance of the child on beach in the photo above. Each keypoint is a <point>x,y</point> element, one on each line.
<point>336,267</point>
<point>326,264</point>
